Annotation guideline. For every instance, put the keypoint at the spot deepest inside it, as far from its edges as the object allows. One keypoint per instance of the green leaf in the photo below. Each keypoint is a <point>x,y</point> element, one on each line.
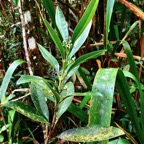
<point>81,39</point>
<point>27,78</point>
<point>67,92</point>
<point>8,76</point>
<point>37,95</point>
<point>49,57</point>
<point>55,38</point>
<point>15,2</point>
<point>119,141</point>
<point>1,138</point>
<point>86,57</point>
<point>61,24</point>
<point>11,116</point>
<point>50,9</point>
<point>134,71</point>
<point>102,98</point>
<point>4,128</point>
<point>84,21</point>
<point>130,58</point>
<point>63,106</point>
<point>57,96</point>
<point>79,113</point>
<point>41,82</point>
<point>123,89</point>
<point>70,74</point>
<point>90,134</point>
<point>109,10</point>
<point>130,30</point>
<point>26,110</point>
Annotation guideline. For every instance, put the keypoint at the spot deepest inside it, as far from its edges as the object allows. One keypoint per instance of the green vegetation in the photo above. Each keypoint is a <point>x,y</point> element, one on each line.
<point>71,72</point>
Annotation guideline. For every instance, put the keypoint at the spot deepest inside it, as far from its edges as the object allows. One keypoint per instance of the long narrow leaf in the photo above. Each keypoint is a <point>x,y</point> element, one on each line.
<point>123,89</point>
<point>49,57</point>
<point>55,38</point>
<point>8,76</point>
<point>65,103</point>
<point>40,82</point>
<point>76,111</point>
<point>61,24</point>
<point>87,16</point>
<point>90,134</point>
<point>37,95</point>
<point>109,10</point>
<point>130,58</point>
<point>86,57</point>
<point>26,110</point>
<point>50,8</point>
<point>81,39</point>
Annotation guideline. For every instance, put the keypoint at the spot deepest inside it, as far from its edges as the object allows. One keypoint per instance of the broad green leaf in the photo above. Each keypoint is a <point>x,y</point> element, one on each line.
<point>90,134</point>
<point>55,38</point>
<point>102,98</point>
<point>41,82</point>
<point>63,106</point>
<point>86,57</point>
<point>79,113</point>
<point>49,57</point>
<point>119,141</point>
<point>8,76</point>
<point>67,92</point>
<point>84,21</point>
<point>49,6</point>
<point>38,98</point>
<point>81,39</point>
<point>26,110</point>
<point>61,24</point>
<point>123,88</point>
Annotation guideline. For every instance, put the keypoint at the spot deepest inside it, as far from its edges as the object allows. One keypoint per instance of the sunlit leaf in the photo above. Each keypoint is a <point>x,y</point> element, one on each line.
<point>90,134</point>
<point>38,98</point>
<point>86,57</point>
<point>8,76</point>
<point>55,38</point>
<point>81,39</point>
<point>84,21</point>
<point>26,110</point>
<point>61,24</point>
<point>67,92</point>
<point>40,82</point>
<point>49,57</point>
<point>50,9</point>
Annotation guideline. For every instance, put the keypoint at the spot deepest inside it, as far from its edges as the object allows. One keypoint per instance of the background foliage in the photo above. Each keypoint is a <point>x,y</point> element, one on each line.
<point>32,107</point>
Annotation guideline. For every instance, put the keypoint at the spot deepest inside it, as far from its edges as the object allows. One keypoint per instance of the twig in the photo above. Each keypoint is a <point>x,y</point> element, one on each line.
<point>99,44</point>
<point>21,90</point>
<point>24,38</point>
<point>125,56</point>
<point>139,13</point>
